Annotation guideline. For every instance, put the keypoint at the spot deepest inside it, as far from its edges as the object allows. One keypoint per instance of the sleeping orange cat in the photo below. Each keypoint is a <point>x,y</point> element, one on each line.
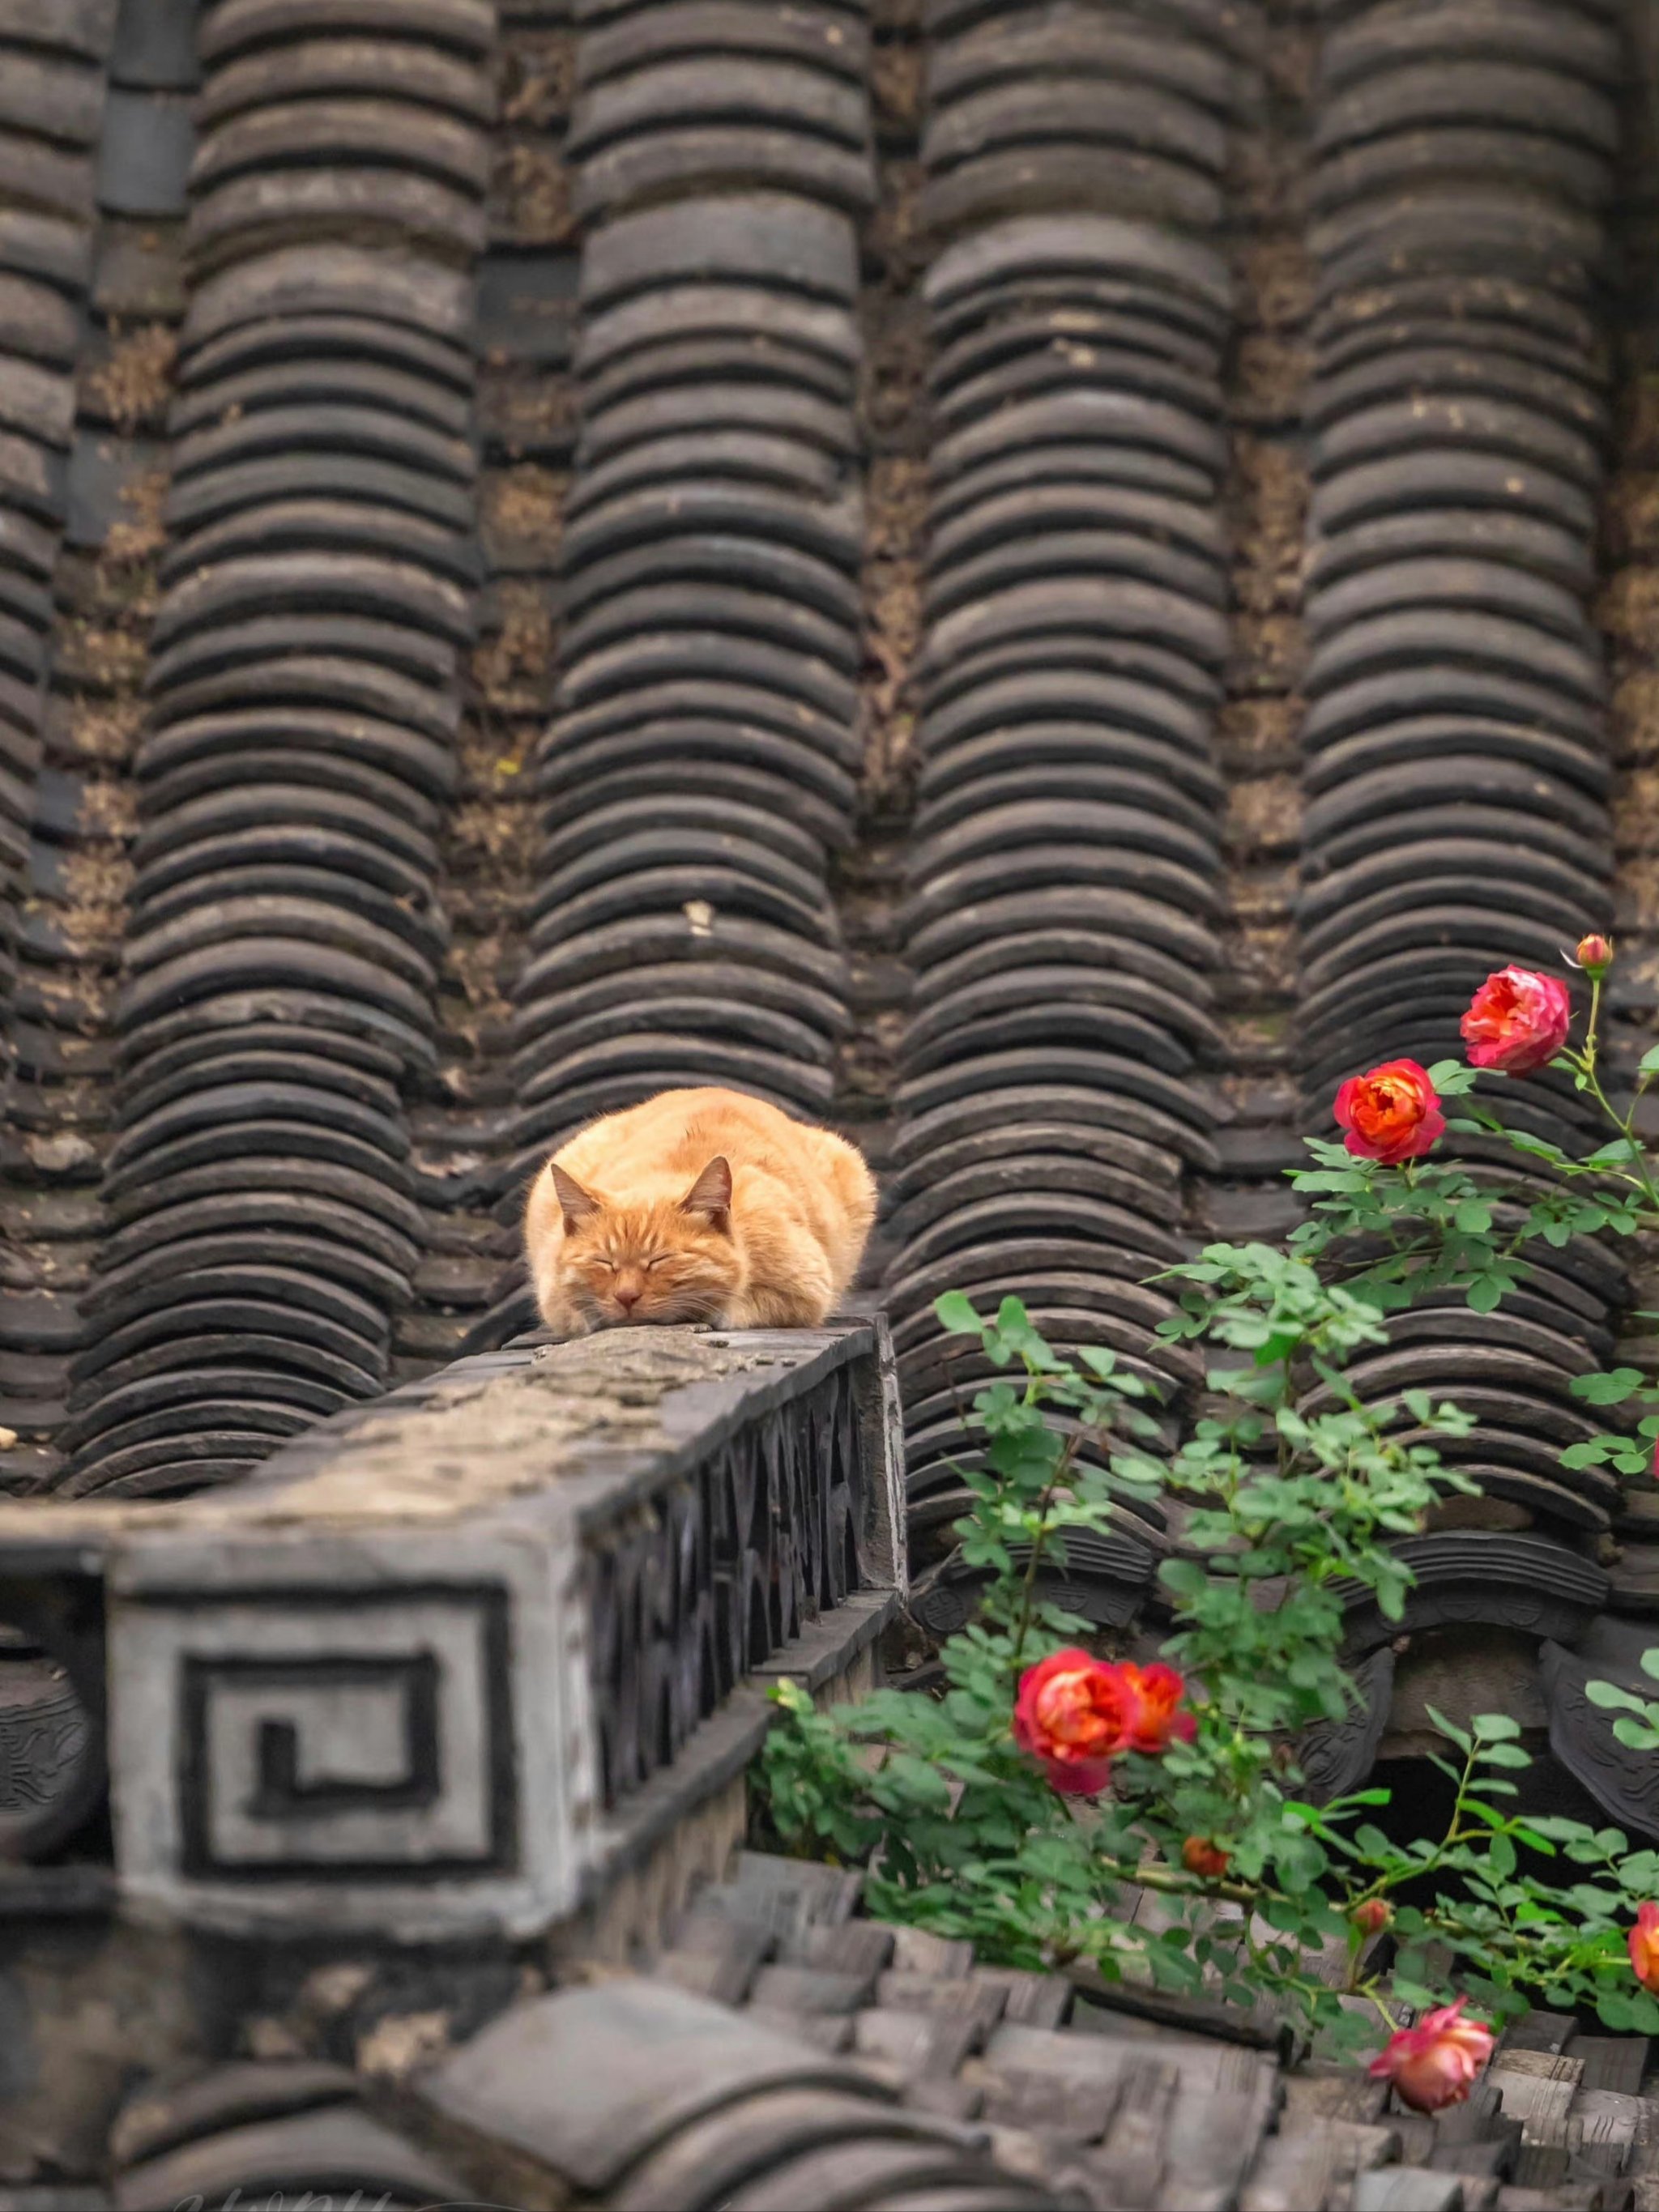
<point>698,1206</point>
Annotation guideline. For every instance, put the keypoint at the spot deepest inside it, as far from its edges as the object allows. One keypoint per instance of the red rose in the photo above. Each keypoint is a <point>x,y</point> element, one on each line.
<point>1643,1945</point>
<point>1391,1114</point>
<point>1437,2063</point>
<point>1371,1918</point>
<point>1075,1713</point>
<point>1516,1021</point>
<point>1158,1691</point>
<point>1199,1855</point>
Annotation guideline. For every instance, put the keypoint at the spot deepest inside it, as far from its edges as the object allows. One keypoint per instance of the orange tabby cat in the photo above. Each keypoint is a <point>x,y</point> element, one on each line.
<point>698,1206</point>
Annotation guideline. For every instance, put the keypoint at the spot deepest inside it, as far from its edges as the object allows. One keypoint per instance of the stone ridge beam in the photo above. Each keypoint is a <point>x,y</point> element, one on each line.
<point>446,1661</point>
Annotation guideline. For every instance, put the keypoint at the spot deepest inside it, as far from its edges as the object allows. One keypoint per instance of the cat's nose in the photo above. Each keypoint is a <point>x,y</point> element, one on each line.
<point>629,1299</point>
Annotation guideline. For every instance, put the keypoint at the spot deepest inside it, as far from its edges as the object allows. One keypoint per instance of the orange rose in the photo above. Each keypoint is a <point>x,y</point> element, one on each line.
<point>1371,1918</point>
<point>1199,1856</point>
<point>1391,1114</point>
<point>1645,1948</point>
<point>1437,2063</point>
<point>1075,1713</point>
<point>1516,1021</point>
<point>1158,1691</point>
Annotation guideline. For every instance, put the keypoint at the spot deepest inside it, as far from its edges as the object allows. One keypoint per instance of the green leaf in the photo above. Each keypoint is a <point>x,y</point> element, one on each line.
<point>1505,1754</point>
<point>1612,1699</point>
<point>1617,1153</point>
<point>1184,1576</point>
<point>1451,1730</point>
<point>1559,1829</point>
<point>1453,1077</point>
<point>956,1312</point>
<point>1610,1389</point>
<point>1583,1454</point>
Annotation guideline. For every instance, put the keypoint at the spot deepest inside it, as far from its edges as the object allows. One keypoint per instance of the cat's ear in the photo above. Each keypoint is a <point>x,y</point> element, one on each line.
<point>578,1205</point>
<point>711,1194</point>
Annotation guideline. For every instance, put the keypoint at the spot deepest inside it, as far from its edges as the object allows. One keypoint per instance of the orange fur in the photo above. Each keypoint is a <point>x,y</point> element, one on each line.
<point>635,1220</point>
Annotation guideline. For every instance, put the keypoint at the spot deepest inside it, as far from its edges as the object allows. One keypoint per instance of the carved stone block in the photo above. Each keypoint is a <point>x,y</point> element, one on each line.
<point>447,1656</point>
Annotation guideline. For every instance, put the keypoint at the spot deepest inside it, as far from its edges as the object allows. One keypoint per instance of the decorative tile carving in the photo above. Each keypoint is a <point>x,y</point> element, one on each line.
<point>53,1773</point>
<point>45,1734</point>
<point>1336,1756</point>
<point>698,1589</point>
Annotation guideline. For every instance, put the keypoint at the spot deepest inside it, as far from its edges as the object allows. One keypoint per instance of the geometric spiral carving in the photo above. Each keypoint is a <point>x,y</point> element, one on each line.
<point>338,1735</point>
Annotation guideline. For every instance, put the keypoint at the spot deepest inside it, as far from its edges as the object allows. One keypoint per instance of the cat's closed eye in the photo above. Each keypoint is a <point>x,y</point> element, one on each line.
<point>660,1260</point>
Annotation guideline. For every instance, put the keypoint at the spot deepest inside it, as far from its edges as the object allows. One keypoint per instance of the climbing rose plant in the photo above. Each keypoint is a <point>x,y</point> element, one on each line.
<point>1148,1823</point>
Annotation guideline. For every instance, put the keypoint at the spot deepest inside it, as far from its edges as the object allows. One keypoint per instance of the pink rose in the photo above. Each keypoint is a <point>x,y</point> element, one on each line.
<point>1437,2063</point>
<point>1516,1021</point>
<point>1593,955</point>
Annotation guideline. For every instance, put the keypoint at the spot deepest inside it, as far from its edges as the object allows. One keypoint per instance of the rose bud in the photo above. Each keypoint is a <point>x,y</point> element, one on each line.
<point>1373,1916</point>
<point>1593,955</point>
<point>1158,1691</point>
<point>1516,1021</point>
<point>1437,2063</point>
<point>1074,1713</point>
<point>1392,1113</point>
<point>1643,1942</point>
<point>1200,1856</point>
